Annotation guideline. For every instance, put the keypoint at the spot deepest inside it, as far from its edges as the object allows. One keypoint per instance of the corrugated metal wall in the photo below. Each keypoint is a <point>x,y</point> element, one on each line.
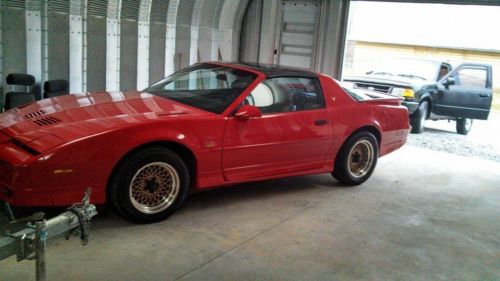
<point>265,30</point>
<point>114,44</point>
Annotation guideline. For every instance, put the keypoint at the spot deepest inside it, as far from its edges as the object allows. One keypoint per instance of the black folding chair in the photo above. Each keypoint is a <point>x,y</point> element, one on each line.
<point>16,98</point>
<point>55,88</point>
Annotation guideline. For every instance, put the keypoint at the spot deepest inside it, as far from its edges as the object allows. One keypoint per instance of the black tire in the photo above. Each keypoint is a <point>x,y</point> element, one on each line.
<point>158,174</point>
<point>464,125</point>
<point>346,157</point>
<point>418,118</point>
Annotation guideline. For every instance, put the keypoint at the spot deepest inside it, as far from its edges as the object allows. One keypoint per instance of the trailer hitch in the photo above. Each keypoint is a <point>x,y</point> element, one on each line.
<point>30,243</point>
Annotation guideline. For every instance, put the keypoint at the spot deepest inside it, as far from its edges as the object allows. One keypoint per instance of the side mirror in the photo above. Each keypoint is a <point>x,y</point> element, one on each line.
<point>247,111</point>
<point>449,81</point>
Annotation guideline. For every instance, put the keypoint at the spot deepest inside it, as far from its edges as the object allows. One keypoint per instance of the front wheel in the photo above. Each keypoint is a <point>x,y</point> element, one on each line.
<point>464,125</point>
<point>356,159</point>
<point>149,185</point>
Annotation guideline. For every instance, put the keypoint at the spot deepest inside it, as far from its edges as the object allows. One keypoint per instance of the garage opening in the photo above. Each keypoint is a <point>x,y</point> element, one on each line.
<point>323,181</point>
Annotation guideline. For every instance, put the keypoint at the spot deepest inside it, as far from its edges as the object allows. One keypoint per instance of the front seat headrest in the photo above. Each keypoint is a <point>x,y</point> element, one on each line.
<point>55,85</point>
<point>20,79</point>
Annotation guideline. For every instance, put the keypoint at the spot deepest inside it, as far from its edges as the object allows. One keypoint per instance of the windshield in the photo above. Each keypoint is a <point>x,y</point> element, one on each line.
<point>411,68</point>
<point>209,87</point>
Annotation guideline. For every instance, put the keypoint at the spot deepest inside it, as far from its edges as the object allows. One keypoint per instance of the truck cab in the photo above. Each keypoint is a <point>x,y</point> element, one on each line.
<point>433,90</point>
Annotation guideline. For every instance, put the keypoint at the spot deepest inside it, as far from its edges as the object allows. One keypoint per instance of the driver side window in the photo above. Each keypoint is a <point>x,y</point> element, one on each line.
<point>443,70</point>
<point>286,94</point>
<point>471,77</point>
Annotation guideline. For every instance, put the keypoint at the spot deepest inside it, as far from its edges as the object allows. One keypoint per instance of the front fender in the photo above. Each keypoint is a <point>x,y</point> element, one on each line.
<point>65,171</point>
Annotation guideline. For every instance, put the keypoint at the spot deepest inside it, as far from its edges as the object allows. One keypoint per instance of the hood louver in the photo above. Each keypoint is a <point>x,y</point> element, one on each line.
<point>35,114</point>
<point>46,121</point>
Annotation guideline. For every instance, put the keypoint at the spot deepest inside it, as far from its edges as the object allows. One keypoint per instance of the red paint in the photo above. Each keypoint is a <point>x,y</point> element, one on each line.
<point>89,133</point>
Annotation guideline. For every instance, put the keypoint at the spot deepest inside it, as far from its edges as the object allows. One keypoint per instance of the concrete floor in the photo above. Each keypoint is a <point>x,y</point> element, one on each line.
<point>424,215</point>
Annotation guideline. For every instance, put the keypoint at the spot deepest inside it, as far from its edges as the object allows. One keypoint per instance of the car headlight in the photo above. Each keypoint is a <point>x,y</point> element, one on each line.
<point>403,92</point>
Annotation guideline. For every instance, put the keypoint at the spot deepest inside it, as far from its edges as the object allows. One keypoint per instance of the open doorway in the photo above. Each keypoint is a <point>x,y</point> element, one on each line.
<point>379,32</point>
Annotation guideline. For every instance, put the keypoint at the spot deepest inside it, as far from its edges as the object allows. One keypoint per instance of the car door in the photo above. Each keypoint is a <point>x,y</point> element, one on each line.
<point>466,92</point>
<point>293,134</point>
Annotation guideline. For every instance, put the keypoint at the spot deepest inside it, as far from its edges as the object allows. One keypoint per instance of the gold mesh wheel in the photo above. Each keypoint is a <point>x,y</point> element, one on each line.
<point>360,158</point>
<point>154,187</point>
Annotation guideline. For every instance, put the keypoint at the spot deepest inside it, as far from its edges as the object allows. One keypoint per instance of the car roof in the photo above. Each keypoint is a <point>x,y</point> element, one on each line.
<point>273,70</point>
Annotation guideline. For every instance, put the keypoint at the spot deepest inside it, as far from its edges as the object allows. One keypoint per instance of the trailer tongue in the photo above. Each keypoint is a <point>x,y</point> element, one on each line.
<point>30,243</point>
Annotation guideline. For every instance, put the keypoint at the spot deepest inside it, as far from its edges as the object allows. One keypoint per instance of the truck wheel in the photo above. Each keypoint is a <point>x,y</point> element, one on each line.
<point>417,120</point>
<point>356,159</point>
<point>149,185</point>
<point>464,125</point>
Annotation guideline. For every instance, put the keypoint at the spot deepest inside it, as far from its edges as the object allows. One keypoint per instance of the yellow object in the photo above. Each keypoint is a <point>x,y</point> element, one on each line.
<point>408,93</point>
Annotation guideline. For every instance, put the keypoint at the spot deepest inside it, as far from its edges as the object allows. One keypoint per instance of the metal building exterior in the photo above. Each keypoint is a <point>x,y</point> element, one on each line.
<point>127,44</point>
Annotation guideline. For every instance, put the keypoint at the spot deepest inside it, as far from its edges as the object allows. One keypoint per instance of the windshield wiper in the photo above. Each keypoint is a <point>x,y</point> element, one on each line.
<point>379,73</point>
<point>411,76</point>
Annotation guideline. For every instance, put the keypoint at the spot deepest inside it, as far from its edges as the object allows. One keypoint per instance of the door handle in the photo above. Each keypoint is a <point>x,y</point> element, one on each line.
<point>320,122</point>
<point>485,95</point>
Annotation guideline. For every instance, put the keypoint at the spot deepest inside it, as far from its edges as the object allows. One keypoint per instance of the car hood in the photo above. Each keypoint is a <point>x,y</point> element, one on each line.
<point>51,122</point>
<point>388,80</point>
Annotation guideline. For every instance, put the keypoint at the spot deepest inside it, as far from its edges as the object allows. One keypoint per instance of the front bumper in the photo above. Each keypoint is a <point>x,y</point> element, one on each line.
<point>12,194</point>
<point>411,105</point>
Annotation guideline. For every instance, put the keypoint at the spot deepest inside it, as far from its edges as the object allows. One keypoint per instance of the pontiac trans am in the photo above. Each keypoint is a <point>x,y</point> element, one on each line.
<point>207,125</point>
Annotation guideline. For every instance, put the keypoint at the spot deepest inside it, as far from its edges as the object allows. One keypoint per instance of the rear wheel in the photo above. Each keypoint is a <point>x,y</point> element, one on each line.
<point>417,120</point>
<point>464,125</point>
<point>149,185</point>
<point>356,159</point>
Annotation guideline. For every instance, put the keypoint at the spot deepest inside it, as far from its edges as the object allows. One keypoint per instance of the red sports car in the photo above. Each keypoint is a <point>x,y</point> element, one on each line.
<point>207,125</point>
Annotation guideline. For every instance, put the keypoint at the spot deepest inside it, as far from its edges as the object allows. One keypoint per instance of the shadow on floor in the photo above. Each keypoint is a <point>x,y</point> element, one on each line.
<point>438,131</point>
<point>203,200</point>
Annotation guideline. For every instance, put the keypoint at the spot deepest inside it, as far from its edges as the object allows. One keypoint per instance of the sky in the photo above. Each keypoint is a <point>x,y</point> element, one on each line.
<point>435,25</point>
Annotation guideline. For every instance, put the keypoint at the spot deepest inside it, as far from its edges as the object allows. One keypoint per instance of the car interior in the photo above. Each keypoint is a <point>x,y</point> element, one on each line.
<point>284,95</point>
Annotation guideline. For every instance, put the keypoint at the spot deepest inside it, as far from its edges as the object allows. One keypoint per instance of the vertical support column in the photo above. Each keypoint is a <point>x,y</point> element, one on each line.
<point>271,20</point>
<point>170,37</point>
<point>1,62</point>
<point>250,33</point>
<point>35,47</point>
<point>84,41</point>
<point>112,55</point>
<point>170,50</point>
<point>236,30</point>
<point>76,45</point>
<point>206,29</point>
<point>215,30</point>
<point>193,49</point>
<point>333,30</point>
<point>113,46</point>
<point>143,45</point>
<point>143,55</point>
<point>44,11</point>
<point>230,26</point>
<point>195,30</point>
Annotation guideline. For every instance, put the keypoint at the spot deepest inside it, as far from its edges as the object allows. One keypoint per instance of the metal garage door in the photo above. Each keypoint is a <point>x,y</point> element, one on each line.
<point>297,45</point>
